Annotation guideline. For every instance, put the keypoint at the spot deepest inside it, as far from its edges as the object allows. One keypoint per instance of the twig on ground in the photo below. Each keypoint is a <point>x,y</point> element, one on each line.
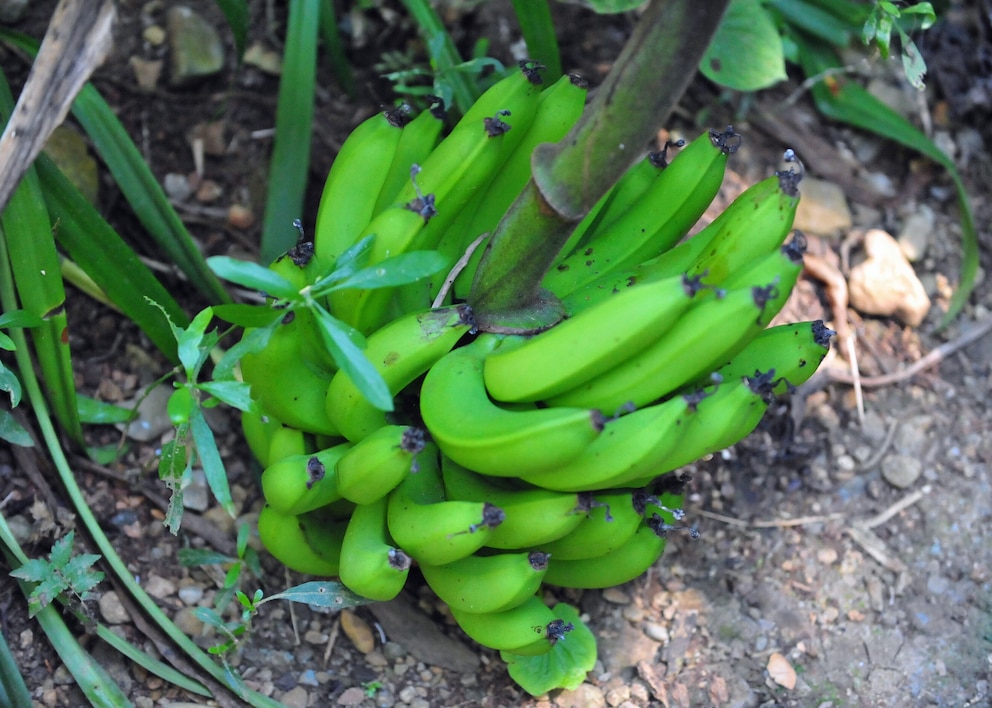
<point>890,435</point>
<point>332,640</point>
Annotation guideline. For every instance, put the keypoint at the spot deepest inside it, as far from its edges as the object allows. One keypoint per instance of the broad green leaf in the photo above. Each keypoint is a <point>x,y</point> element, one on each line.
<point>236,13</point>
<point>351,360</point>
<point>97,412</point>
<point>817,21</point>
<point>320,593</point>
<point>746,52</point>
<point>398,270</point>
<point>191,557</point>
<point>12,431</point>
<point>247,315</point>
<point>913,63</point>
<point>193,344</point>
<point>253,340</point>
<point>6,343</point>
<point>34,571</point>
<point>174,461</point>
<point>210,460</point>
<point>62,550</point>
<point>236,394</point>
<point>19,318</point>
<point>565,666</point>
<point>253,276</point>
<point>9,383</point>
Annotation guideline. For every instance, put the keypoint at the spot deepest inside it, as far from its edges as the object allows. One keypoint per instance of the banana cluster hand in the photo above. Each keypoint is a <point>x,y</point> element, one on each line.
<point>511,462</point>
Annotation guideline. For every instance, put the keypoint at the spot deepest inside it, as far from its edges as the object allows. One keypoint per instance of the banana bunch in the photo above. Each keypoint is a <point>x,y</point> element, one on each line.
<point>509,462</point>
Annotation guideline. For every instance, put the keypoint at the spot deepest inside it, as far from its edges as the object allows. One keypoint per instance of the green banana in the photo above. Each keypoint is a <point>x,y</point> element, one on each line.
<point>589,343</point>
<point>456,170</point>
<point>432,529</point>
<point>284,383</point>
<point>300,483</point>
<point>400,351</point>
<point>558,108</point>
<point>356,178</point>
<point>793,350</point>
<point>622,565</point>
<point>532,516</point>
<point>257,429</point>
<point>528,629</point>
<point>419,138</point>
<point>378,463</point>
<point>370,565</point>
<point>474,431</point>
<point>706,334</point>
<point>284,536</point>
<point>609,525</point>
<point>659,218</point>
<point>487,583</point>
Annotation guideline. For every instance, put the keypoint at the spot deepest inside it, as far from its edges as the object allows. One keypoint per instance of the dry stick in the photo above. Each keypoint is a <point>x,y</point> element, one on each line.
<point>890,435</point>
<point>972,334</point>
<point>332,640</point>
<point>456,269</point>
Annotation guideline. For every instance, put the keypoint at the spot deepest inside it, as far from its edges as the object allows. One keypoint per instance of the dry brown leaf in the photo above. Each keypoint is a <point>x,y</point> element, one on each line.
<point>781,671</point>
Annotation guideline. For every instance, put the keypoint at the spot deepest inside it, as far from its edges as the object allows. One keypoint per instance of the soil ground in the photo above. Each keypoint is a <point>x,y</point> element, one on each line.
<point>875,594</point>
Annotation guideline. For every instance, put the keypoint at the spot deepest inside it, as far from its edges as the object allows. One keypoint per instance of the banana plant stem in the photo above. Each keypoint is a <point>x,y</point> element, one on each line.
<point>649,77</point>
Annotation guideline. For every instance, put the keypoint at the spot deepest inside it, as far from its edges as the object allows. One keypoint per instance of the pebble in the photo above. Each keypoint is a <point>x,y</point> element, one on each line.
<point>159,587</point>
<point>154,34</point>
<point>112,610</point>
<point>886,284</point>
<point>823,209</point>
<point>264,59</point>
<point>408,694</point>
<point>190,594</point>
<point>296,698</point>
<point>901,471</point>
<point>827,556</point>
<point>147,72</point>
<point>914,236</point>
<point>584,696</point>
<point>188,623</point>
<point>196,49</point>
<point>616,596</point>
<point>309,678</point>
<point>657,632</point>
<point>314,637</point>
<point>781,671</point>
<point>196,496</point>
<point>240,217</point>
<point>351,697</point>
<point>177,187</point>
<point>358,631</point>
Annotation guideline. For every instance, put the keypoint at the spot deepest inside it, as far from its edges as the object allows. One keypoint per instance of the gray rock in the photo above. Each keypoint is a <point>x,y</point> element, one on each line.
<point>196,49</point>
<point>901,471</point>
<point>112,610</point>
<point>916,232</point>
<point>823,209</point>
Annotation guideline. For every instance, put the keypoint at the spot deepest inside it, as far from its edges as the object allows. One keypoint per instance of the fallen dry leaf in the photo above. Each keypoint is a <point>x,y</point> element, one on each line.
<point>781,671</point>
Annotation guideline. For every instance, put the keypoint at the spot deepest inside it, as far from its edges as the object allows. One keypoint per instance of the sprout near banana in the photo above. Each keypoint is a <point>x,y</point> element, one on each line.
<point>513,461</point>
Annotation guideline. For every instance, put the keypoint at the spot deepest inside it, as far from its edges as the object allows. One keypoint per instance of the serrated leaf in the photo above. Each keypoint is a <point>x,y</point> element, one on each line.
<point>746,51</point>
<point>253,276</point>
<point>210,460</point>
<point>62,550</point>
<point>321,593</point>
<point>34,571</point>
<point>565,666</point>
<point>236,394</point>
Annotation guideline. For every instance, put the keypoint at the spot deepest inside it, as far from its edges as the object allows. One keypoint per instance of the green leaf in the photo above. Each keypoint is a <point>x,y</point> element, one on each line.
<point>612,7</point>
<point>746,52</point>
<point>12,431</point>
<point>209,617</point>
<point>194,346</point>
<point>398,270</point>
<point>350,359</point>
<point>254,340</point>
<point>320,593</point>
<point>236,394</point>
<point>236,13</point>
<point>174,462</point>
<point>9,383</point>
<point>62,550</point>
<point>191,557</point>
<point>565,666</point>
<point>247,315</point>
<point>253,276</point>
<point>19,318</point>
<point>210,460</point>
<point>913,63</point>
<point>97,412</point>
<point>34,571</point>
<point>813,20</point>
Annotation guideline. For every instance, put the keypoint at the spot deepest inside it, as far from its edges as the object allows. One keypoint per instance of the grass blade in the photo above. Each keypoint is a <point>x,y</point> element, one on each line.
<point>236,13</point>
<point>335,49</point>
<point>15,690</point>
<point>150,663</point>
<point>535,21</point>
<point>290,163</point>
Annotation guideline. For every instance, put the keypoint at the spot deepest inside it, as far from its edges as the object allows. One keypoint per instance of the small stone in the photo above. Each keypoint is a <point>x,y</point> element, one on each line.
<point>657,632</point>
<point>617,696</point>
<point>111,609</point>
<point>901,471</point>
<point>351,697</point>
<point>309,678</point>
<point>315,637</point>
<point>616,596</point>
<point>585,696</point>
<point>264,59</point>
<point>188,623</point>
<point>827,556</point>
<point>886,284</point>
<point>781,671</point>
<point>358,631</point>
<point>196,49</point>
<point>408,694</point>
<point>208,191</point>
<point>914,237</point>
<point>190,594</point>
<point>159,587</point>
<point>296,698</point>
<point>240,217</point>
<point>154,35</point>
<point>823,209</point>
<point>177,187</point>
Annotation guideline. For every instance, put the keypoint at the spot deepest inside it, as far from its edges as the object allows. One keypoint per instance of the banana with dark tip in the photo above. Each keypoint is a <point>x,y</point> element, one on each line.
<point>610,523</point>
<point>528,629</point>
<point>476,432</point>
<point>400,351</point>
<point>629,561</point>
<point>370,565</point>
<point>419,138</point>
<point>532,517</point>
<point>300,483</point>
<point>378,463</point>
<point>431,528</point>
<point>487,583</point>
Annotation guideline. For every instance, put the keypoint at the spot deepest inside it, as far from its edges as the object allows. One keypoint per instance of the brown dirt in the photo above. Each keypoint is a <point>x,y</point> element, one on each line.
<point>875,595</point>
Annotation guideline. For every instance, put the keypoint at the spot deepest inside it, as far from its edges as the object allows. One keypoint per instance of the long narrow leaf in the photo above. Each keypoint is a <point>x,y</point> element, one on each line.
<point>15,690</point>
<point>100,251</point>
<point>538,29</point>
<point>236,13</point>
<point>335,50</point>
<point>290,164</point>
<point>848,102</point>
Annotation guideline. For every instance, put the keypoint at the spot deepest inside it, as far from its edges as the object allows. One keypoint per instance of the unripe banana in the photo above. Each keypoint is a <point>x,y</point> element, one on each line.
<point>589,343</point>
<point>257,429</point>
<point>532,516</point>
<point>419,138</point>
<point>301,483</point>
<point>793,350</point>
<point>528,629</point>
<point>284,537</point>
<point>400,351</point>
<point>432,529</point>
<point>703,337</point>
<point>284,383</point>
<point>370,565</point>
<point>460,165</point>
<point>476,432</point>
<point>624,564</point>
<point>288,441</point>
<point>657,220</point>
<point>609,525</point>
<point>487,583</point>
<point>377,464</point>
<point>355,180</point>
